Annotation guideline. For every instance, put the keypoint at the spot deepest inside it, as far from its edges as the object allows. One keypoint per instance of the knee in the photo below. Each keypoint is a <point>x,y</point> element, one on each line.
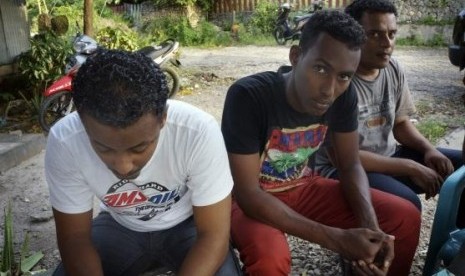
<point>404,220</point>
<point>415,199</point>
<point>399,217</point>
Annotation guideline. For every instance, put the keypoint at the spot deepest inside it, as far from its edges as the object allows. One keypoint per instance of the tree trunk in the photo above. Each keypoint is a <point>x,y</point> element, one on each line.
<point>88,18</point>
<point>193,15</point>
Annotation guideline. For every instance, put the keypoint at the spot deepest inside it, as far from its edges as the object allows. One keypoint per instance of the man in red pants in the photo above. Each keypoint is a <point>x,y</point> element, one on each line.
<point>273,123</point>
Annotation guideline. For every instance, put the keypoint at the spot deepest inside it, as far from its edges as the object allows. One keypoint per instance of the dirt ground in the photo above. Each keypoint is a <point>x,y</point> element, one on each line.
<point>205,76</point>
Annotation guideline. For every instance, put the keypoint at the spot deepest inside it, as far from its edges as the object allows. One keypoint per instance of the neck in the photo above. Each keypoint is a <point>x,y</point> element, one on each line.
<point>290,90</point>
<point>368,74</point>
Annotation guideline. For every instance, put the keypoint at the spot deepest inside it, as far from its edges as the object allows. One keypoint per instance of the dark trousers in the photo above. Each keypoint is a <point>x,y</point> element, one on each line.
<point>126,252</point>
<point>404,186</point>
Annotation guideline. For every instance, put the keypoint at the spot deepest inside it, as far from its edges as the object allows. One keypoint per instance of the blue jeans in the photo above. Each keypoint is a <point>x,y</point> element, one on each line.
<point>126,252</point>
<point>403,186</point>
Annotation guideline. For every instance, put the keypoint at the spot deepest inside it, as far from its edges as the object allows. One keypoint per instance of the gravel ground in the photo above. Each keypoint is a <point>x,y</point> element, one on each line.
<point>205,75</point>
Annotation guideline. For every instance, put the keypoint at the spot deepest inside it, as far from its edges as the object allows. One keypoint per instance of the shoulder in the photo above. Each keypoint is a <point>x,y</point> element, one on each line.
<point>181,114</point>
<point>394,66</point>
<point>67,128</point>
<point>256,81</point>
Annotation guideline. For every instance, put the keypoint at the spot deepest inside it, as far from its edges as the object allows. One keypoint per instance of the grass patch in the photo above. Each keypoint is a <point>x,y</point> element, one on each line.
<point>437,41</point>
<point>432,129</point>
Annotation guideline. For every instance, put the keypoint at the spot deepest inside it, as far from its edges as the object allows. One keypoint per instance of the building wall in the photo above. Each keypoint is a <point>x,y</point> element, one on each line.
<point>14,30</point>
<point>436,10</point>
<point>409,10</point>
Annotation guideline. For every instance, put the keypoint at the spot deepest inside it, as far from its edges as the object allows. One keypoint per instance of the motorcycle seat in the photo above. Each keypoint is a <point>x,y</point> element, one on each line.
<point>302,17</point>
<point>158,50</point>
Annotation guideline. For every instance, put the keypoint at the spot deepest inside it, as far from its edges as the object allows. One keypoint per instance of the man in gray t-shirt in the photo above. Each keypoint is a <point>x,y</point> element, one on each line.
<point>396,157</point>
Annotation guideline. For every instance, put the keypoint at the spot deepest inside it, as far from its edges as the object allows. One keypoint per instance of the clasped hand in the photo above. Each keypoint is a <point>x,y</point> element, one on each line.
<point>369,252</point>
<point>431,176</point>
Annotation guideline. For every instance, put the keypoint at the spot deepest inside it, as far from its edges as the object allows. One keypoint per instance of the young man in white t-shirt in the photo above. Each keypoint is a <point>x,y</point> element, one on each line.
<point>159,168</point>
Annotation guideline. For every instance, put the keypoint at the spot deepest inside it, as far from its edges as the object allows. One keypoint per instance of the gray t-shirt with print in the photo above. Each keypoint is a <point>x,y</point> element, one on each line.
<point>380,102</point>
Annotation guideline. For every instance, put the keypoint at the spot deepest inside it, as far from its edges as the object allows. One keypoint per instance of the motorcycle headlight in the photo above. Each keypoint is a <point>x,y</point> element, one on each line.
<point>84,45</point>
<point>79,46</point>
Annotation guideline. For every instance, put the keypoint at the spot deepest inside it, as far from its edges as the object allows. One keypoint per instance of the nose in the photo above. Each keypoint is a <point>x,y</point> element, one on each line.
<point>328,89</point>
<point>122,164</point>
<point>385,41</point>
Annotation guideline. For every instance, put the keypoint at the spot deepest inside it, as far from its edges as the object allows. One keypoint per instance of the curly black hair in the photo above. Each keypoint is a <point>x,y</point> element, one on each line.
<point>117,87</point>
<point>335,23</point>
<point>358,7</point>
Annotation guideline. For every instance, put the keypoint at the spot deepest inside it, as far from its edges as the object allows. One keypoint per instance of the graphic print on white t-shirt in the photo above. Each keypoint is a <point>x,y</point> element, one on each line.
<point>144,201</point>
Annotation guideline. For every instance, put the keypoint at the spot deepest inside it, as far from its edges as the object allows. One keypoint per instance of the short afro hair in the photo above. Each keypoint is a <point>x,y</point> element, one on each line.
<point>337,24</point>
<point>117,87</point>
<point>358,7</point>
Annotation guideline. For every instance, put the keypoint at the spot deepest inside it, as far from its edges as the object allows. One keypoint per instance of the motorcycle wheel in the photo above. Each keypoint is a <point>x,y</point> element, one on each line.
<point>173,81</point>
<point>278,34</point>
<point>54,108</point>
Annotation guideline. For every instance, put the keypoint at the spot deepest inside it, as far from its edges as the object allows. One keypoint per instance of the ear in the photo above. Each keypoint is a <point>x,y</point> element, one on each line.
<point>164,116</point>
<point>294,54</point>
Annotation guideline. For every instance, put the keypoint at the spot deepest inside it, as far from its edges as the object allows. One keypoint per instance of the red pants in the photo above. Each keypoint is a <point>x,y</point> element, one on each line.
<point>264,249</point>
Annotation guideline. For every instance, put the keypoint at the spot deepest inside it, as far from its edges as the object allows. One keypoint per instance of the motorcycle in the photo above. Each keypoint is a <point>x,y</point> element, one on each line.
<point>457,48</point>
<point>291,30</point>
<point>58,101</point>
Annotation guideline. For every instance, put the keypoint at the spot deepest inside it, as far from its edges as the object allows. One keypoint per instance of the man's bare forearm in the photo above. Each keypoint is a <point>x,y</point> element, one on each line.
<point>357,193</point>
<point>79,257</point>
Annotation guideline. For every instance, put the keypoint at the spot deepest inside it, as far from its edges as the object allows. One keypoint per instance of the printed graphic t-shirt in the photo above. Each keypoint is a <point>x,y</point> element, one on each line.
<point>188,168</point>
<point>258,119</point>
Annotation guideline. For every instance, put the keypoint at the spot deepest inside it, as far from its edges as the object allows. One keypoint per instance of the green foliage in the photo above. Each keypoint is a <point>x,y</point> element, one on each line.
<point>263,18</point>
<point>33,102</point>
<point>8,265</point>
<point>45,61</point>
<point>73,13</point>
<point>7,252</point>
<point>443,3</point>
<point>428,20</point>
<point>257,38</point>
<point>432,129</point>
<point>432,21</point>
<point>204,5</point>
<point>171,26</point>
<point>437,41</point>
<point>60,24</point>
<point>115,38</point>
<point>72,9</point>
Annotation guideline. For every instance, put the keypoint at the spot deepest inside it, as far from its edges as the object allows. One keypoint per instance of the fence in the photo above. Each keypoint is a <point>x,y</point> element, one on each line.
<point>228,6</point>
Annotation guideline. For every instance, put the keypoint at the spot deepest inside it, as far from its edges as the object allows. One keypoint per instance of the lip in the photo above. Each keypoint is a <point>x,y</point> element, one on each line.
<point>384,55</point>
<point>128,176</point>
<point>322,106</point>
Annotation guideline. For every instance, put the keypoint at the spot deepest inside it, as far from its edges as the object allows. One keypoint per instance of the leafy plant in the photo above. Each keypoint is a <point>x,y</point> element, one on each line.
<point>114,38</point>
<point>171,26</point>
<point>263,18</point>
<point>33,103</point>
<point>45,61</point>
<point>205,5</point>
<point>8,265</point>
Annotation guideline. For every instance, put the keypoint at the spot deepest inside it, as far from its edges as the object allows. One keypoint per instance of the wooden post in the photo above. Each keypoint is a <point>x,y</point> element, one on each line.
<point>88,18</point>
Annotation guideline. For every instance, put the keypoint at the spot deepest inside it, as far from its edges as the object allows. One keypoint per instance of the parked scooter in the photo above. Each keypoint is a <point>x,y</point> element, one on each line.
<point>58,100</point>
<point>457,48</point>
<point>291,30</point>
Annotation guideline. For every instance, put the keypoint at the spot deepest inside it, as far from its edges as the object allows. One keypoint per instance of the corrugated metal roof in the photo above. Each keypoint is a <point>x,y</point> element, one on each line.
<point>14,30</point>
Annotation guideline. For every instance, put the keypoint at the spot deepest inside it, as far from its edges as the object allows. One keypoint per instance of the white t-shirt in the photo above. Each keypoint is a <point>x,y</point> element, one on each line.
<point>188,168</point>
